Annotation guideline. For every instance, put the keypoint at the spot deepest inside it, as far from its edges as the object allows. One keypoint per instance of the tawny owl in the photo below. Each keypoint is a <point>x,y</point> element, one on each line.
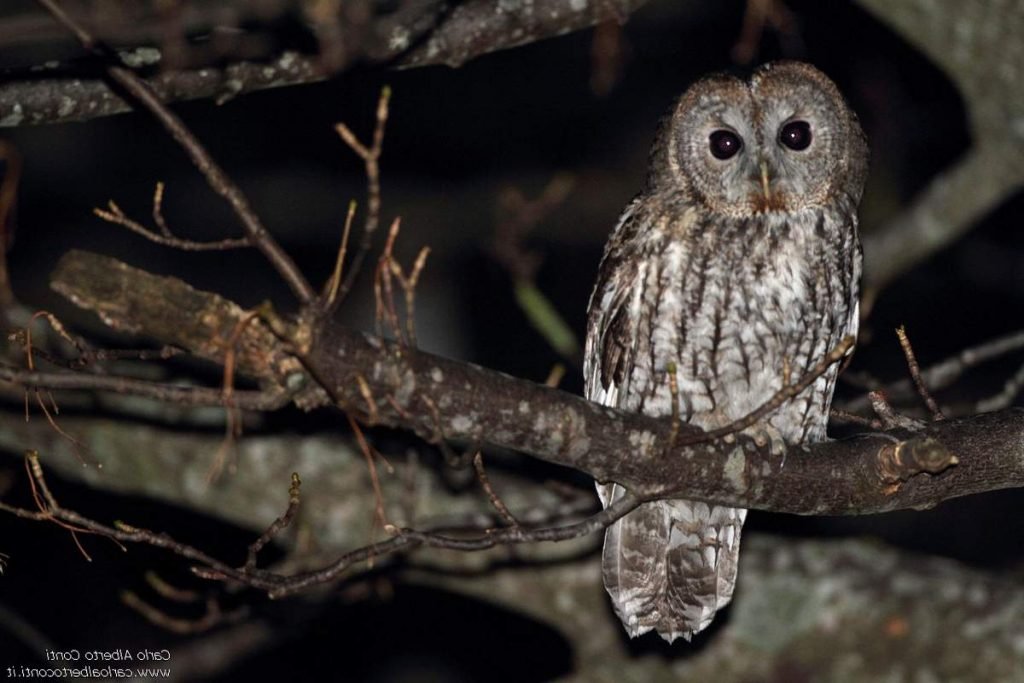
<point>739,262</point>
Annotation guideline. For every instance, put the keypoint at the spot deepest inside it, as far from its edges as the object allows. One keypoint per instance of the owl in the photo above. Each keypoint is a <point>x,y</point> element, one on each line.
<point>737,266</point>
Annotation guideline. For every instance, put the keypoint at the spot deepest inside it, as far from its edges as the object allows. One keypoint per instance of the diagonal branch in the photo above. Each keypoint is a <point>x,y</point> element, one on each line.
<point>439,398</point>
<point>143,95</point>
<point>413,33</point>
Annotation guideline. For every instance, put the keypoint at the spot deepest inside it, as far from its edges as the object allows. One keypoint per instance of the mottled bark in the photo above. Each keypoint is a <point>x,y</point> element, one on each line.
<point>385,383</point>
<point>63,98</point>
<point>417,33</point>
<point>826,610</point>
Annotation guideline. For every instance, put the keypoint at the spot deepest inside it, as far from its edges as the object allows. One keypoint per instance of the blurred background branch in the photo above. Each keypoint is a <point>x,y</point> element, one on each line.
<point>980,46</point>
<point>194,49</point>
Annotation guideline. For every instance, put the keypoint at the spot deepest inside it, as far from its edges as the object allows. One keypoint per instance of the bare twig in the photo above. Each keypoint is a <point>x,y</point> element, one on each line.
<point>496,501</point>
<point>168,591</point>
<point>114,214</point>
<point>555,376</point>
<point>278,585</point>
<point>278,525</point>
<point>915,374</point>
<point>371,162</point>
<point>171,393</point>
<point>408,284</point>
<point>844,416</point>
<point>382,290</point>
<point>1005,396</point>
<point>330,291</point>
<point>217,179</point>
<point>947,371</point>
<point>371,465</point>
<point>77,446</point>
<point>891,419</point>
<point>407,538</point>
<point>233,418</point>
<point>212,617</point>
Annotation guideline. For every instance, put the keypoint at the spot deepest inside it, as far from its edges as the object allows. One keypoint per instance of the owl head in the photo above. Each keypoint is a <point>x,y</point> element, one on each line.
<point>780,141</point>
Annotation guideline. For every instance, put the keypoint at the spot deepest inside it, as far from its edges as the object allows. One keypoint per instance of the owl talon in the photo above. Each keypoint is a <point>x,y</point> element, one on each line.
<point>765,434</point>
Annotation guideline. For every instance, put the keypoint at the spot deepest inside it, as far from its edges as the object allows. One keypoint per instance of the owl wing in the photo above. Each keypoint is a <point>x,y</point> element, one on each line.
<point>610,350</point>
<point>612,321</point>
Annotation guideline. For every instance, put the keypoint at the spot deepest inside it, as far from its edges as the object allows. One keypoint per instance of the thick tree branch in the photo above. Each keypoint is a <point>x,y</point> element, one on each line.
<point>836,477</point>
<point>980,46</point>
<point>446,399</point>
<point>417,33</point>
<point>797,600</point>
<point>66,96</point>
<point>201,322</point>
<point>804,610</point>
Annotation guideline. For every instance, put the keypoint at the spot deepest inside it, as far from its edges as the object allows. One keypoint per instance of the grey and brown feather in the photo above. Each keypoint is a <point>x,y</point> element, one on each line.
<point>733,269</point>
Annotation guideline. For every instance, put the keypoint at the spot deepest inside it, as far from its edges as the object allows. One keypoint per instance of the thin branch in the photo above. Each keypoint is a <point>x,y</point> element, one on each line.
<point>216,178</point>
<point>1011,389</point>
<point>969,45</point>
<point>379,515</point>
<point>114,214</point>
<point>945,372</point>
<point>853,418</point>
<point>212,617</point>
<point>890,418</point>
<point>278,525</point>
<point>915,374</point>
<point>279,585</point>
<point>371,163</point>
<point>383,292</point>
<point>784,394</point>
<point>170,393</point>
<point>168,591</point>
<point>407,539</point>
<point>329,295</point>
<point>485,482</point>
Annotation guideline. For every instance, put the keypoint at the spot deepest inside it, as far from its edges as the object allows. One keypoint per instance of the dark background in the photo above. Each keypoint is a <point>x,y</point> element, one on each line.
<point>455,140</point>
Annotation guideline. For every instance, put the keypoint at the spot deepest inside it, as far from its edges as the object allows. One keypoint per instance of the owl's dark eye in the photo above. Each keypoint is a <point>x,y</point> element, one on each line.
<point>725,144</point>
<point>796,135</point>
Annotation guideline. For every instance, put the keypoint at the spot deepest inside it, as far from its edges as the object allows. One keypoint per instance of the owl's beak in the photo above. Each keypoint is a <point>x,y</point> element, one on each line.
<point>765,182</point>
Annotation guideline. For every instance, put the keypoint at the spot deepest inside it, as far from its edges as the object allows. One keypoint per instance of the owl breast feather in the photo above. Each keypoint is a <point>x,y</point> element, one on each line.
<point>735,305</point>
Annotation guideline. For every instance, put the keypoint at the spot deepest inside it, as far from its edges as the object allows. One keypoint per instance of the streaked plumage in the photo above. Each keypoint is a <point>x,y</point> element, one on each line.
<point>731,269</point>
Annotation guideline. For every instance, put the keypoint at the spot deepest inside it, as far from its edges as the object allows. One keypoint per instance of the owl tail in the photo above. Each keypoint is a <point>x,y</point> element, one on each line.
<point>670,565</point>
